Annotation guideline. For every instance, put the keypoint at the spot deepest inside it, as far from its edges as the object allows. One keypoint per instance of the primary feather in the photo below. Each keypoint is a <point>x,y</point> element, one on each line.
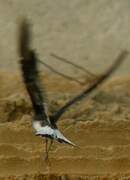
<point>41,122</point>
<point>31,76</point>
<point>91,88</point>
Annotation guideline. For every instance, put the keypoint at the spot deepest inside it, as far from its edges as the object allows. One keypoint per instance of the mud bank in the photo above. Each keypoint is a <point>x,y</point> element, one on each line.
<point>100,126</point>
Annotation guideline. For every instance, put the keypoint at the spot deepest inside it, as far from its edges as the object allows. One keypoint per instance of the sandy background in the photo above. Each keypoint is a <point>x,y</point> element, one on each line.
<point>87,32</point>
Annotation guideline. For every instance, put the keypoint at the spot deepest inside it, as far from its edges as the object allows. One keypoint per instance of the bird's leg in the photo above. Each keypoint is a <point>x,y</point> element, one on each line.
<point>51,142</point>
<point>46,149</point>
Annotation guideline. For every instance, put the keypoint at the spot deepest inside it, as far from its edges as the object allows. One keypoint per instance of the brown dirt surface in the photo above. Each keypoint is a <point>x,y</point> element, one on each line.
<point>99,125</point>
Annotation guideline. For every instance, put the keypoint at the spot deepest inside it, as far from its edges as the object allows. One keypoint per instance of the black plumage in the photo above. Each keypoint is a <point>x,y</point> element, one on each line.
<point>45,125</point>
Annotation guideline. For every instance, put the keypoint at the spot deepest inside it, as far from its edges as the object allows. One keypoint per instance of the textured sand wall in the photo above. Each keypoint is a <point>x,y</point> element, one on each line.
<point>100,126</point>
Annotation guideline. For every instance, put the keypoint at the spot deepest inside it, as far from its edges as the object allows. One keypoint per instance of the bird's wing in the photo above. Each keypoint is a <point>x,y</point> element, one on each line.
<point>30,74</point>
<point>92,87</point>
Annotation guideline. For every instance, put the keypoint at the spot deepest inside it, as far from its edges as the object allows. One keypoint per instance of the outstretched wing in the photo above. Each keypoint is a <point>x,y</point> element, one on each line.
<point>30,74</point>
<point>92,87</point>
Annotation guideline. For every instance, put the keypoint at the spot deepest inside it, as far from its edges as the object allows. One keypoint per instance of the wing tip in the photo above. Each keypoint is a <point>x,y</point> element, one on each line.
<point>24,36</point>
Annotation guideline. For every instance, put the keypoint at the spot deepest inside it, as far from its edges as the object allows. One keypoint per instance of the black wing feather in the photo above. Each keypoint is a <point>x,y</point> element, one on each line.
<point>92,87</point>
<point>30,74</point>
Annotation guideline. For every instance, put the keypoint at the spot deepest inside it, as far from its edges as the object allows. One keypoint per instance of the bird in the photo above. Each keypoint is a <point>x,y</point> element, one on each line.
<point>45,125</point>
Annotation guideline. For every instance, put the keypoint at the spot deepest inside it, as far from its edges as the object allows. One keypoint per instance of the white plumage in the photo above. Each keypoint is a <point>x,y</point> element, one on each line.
<point>48,131</point>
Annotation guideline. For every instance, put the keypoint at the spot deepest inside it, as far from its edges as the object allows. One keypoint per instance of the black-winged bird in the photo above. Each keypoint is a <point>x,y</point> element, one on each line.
<point>45,125</point>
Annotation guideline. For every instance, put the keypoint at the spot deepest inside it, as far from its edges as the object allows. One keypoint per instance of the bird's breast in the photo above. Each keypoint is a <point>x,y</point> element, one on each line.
<point>37,125</point>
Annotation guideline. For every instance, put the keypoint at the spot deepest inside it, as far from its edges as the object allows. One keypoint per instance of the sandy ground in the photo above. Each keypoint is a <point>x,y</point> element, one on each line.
<point>87,32</point>
<point>99,125</point>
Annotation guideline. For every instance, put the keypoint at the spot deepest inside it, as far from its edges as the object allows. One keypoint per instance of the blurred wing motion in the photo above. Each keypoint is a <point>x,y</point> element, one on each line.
<point>43,124</point>
<point>92,87</point>
<point>30,73</point>
<point>74,65</point>
<point>61,74</point>
<point>31,76</point>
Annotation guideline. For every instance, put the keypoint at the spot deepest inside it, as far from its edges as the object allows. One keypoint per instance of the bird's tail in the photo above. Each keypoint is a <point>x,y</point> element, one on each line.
<point>47,131</point>
<point>61,138</point>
